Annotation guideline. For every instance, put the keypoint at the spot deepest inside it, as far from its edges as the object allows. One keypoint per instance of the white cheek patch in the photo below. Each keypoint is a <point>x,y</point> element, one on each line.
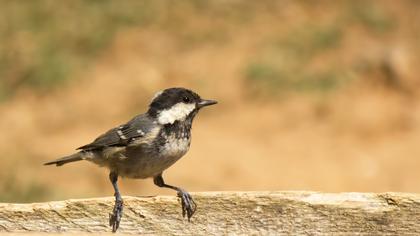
<point>179,112</point>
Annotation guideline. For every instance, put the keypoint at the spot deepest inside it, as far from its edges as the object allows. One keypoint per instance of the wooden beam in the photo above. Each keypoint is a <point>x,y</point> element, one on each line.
<point>290,213</point>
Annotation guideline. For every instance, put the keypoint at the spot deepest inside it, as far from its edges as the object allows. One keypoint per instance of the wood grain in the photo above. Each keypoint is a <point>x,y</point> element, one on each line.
<point>257,213</point>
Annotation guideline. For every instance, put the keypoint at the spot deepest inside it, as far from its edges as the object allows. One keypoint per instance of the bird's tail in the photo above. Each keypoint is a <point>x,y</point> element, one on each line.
<point>64,160</point>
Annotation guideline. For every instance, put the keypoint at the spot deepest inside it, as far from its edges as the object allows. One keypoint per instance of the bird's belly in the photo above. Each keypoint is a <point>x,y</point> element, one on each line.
<point>150,164</point>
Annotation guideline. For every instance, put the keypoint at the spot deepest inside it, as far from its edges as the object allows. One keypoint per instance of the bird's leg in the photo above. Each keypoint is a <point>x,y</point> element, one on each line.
<point>115,216</point>
<point>187,203</point>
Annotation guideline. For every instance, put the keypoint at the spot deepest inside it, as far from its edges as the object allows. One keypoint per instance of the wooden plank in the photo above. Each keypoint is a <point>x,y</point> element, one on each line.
<point>262,213</point>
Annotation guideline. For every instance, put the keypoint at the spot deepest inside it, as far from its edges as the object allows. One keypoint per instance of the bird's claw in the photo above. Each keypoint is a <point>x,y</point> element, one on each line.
<point>188,205</point>
<point>115,216</point>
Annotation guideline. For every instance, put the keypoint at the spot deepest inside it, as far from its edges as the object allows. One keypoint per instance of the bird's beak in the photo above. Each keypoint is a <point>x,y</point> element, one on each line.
<point>204,103</point>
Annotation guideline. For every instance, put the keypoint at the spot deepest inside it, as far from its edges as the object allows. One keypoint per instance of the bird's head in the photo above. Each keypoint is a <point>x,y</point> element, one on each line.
<point>176,104</point>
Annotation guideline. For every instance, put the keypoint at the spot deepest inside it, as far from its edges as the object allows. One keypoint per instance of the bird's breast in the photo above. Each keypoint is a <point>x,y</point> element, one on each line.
<point>175,147</point>
<point>150,162</point>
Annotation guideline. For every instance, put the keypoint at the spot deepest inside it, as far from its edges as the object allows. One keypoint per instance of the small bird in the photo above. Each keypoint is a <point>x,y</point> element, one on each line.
<point>146,145</point>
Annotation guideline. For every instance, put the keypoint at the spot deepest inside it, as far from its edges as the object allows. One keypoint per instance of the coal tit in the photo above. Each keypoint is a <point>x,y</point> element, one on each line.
<point>146,145</point>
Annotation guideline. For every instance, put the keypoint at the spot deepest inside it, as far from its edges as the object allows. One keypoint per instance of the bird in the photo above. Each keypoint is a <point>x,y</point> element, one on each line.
<point>146,146</point>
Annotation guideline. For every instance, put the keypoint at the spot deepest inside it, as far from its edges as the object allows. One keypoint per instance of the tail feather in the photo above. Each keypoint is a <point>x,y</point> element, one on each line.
<point>66,159</point>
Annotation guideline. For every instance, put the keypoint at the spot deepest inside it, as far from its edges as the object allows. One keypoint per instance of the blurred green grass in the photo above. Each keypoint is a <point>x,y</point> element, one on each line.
<point>13,190</point>
<point>279,66</point>
<point>45,43</point>
<point>284,64</point>
<point>371,15</point>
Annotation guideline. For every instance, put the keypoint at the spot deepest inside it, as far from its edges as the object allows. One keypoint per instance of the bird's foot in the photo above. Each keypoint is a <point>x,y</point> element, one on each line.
<point>188,205</point>
<point>115,216</point>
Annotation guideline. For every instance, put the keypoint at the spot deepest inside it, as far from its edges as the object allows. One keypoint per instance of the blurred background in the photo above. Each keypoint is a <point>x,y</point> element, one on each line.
<point>314,95</point>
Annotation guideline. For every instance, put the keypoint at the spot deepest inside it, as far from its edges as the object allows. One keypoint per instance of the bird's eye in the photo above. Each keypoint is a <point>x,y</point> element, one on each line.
<point>186,99</point>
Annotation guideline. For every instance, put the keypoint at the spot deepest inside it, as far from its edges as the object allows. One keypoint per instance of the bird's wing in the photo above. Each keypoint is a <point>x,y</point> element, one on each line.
<point>122,135</point>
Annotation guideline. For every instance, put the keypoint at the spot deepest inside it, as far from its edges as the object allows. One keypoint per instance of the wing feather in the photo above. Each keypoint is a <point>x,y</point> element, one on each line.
<point>122,135</point>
